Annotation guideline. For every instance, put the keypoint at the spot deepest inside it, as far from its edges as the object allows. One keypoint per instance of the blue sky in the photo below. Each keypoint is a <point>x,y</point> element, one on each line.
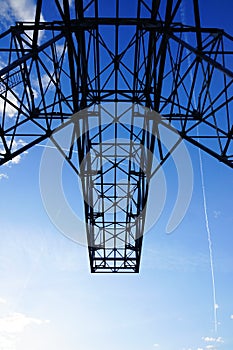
<point>48,298</point>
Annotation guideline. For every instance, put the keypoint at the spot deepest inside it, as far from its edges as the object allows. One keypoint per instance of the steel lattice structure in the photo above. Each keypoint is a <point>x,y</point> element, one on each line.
<point>91,54</point>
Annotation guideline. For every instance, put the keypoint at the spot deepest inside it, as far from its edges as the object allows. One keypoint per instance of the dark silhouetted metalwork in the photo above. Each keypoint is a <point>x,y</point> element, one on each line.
<point>96,52</point>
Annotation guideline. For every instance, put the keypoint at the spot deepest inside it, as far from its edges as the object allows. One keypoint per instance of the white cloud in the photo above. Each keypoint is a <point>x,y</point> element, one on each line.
<point>12,325</point>
<point>2,300</point>
<point>217,213</point>
<point>24,10</point>
<point>6,15</point>
<point>35,93</point>
<point>15,10</point>
<point>208,339</point>
<point>15,146</point>
<point>70,2</point>
<point>219,340</point>
<point>156,345</point>
<point>9,109</point>
<point>19,142</point>
<point>7,342</point>
<point>210,347</point>
<point>3,176</point>
<point>213,340</point>
<point>46,82</point>
<point>60,49</point>
<point>16,159</point>
<point>17,322</point>
<point>231,317</point>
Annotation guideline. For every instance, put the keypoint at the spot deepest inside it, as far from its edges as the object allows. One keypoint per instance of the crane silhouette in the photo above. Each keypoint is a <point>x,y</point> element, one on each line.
<point>88,60</point>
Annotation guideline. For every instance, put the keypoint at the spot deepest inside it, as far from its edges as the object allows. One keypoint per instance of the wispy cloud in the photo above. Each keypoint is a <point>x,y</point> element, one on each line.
<point>2,300</point>
<point>164,258</point>
<point>45,79</point>
<point>10,110</point>
<point>217,213</point>
<point>14,324</point>
<point>23,10</point>
<point>14,147</point>
<point>15,10</point>
<point>213,340</point>
<point>7,341</point>
<point>210,343</point>
<point>3,176</point>
<point>70,2</point>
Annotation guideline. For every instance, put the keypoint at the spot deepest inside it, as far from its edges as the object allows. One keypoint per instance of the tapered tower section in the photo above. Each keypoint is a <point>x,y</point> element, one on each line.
<point>97,53</point>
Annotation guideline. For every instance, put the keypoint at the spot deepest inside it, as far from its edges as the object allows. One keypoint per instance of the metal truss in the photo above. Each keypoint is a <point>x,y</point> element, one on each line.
<point>96,52</point>
<point>115,177</point>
